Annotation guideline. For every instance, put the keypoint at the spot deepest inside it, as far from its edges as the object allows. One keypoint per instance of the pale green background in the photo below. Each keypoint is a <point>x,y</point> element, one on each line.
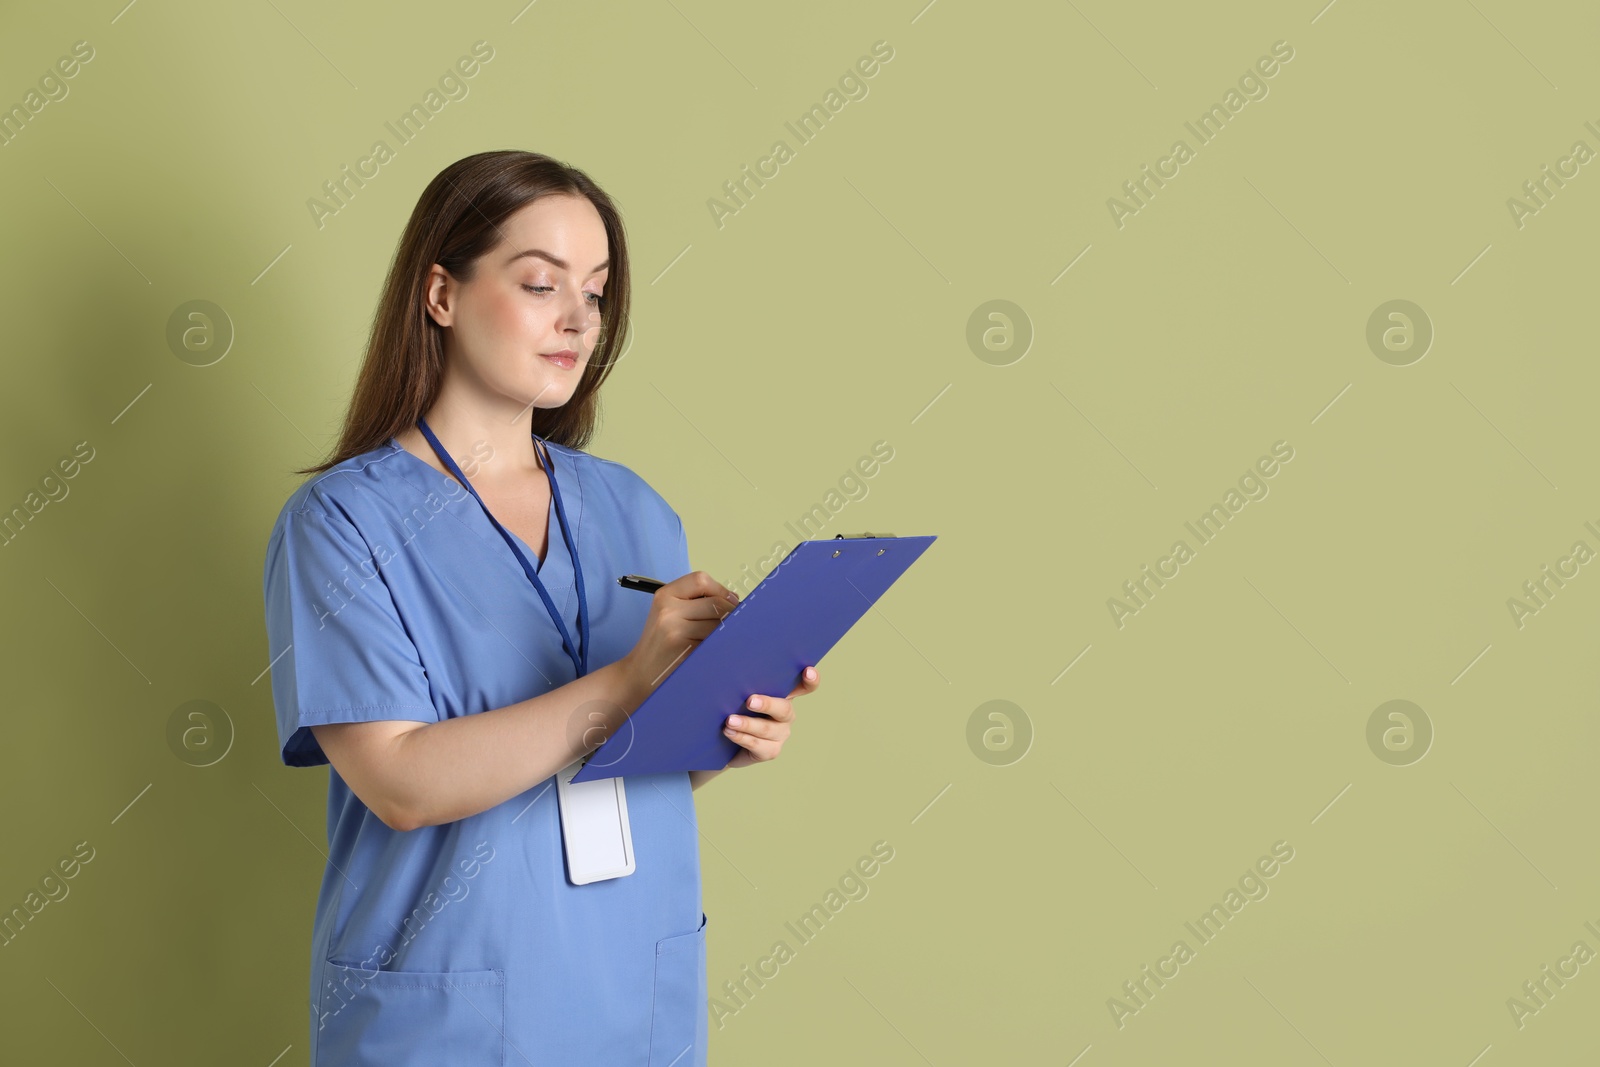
<point>827,315</point>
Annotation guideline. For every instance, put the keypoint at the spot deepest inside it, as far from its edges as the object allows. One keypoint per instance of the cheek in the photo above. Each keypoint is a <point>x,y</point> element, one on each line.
<point>514,315</point>
<point>501,323</point>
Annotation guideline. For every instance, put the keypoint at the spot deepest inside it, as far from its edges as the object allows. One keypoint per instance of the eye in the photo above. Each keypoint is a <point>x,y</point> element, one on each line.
<point>598,297</point>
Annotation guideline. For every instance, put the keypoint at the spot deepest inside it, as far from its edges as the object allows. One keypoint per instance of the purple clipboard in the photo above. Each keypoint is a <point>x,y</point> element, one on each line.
<point>792,618</point>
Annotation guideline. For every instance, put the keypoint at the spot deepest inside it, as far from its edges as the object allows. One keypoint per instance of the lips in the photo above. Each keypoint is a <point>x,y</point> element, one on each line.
<point>566,359</point>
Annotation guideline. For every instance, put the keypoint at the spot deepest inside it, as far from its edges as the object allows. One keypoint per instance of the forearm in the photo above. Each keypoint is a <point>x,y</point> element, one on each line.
<point>458,767</point>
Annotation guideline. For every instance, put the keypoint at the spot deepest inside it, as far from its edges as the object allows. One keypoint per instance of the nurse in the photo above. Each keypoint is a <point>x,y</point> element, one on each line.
<point>446,631</point>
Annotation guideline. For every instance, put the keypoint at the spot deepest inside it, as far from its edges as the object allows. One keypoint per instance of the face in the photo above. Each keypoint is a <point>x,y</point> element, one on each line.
<point>536,293</point>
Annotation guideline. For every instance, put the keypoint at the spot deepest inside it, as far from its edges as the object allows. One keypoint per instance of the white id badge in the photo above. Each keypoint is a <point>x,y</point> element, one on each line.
<point>594,827</point>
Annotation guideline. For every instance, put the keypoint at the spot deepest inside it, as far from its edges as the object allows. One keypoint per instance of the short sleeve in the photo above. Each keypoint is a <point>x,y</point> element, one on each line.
<point>339,649</point>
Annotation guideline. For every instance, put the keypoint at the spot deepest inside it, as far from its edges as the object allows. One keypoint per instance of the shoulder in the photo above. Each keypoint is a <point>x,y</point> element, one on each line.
<point>359,488</point>
<point>621,484</point>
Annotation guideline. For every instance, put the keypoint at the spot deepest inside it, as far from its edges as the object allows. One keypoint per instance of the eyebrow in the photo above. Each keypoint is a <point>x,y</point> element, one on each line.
<point>553,259</point>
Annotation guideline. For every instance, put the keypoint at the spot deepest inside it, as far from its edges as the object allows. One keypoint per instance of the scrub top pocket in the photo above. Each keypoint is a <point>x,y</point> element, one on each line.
<point>402,1018</point>
<point>678,1025</point>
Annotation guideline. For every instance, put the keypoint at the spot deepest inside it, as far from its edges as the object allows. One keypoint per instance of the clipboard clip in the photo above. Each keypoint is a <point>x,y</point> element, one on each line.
<point>851,537</point>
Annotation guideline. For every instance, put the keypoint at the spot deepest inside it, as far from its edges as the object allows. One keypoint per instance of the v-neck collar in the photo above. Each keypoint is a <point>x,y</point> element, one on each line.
<point>552,538</point>
<point>555,570</point>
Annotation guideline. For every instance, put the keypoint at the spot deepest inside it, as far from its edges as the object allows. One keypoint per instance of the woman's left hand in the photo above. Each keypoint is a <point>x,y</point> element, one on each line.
<point>761,739</point>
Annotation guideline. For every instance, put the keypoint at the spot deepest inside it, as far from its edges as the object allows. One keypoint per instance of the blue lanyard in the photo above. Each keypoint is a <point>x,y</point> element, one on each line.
<point>579,655</point>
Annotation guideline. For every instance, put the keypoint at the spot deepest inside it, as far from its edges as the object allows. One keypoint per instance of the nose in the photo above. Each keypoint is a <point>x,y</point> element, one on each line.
<point>580,316</point>
<point>582,324</point>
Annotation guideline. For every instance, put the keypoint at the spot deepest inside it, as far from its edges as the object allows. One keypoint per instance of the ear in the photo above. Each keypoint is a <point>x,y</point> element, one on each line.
<point>439,295</point>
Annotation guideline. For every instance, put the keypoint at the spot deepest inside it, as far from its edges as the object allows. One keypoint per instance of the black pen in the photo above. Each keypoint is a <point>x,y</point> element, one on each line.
<point>639,582</point>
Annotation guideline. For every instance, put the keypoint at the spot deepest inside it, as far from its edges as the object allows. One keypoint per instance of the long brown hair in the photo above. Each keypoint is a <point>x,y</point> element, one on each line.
<point>456,220</point>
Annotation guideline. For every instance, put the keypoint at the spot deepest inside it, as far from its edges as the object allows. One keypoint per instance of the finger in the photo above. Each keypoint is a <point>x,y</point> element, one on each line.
<point>771,730</point>
<point>777,708</point>
<point>693,620</point>
<point>806,684</point>
<point>759,748</point>
<point>697,584</point>
<point>704,609</point>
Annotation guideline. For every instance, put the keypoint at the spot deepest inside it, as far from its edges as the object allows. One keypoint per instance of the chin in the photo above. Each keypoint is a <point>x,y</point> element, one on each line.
<point>550,398</point>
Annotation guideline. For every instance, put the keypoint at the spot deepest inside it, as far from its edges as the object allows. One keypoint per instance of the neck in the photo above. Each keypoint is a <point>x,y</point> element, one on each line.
<point>495,438</point>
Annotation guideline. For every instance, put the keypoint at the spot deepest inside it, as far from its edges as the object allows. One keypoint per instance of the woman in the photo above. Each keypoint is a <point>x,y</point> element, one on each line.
<point>446,630</point>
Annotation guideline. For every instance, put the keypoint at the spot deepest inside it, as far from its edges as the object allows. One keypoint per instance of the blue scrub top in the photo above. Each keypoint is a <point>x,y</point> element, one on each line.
<point>390,595</point>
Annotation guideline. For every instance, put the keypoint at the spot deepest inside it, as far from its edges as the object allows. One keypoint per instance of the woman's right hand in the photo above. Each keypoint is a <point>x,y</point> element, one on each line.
<point>682,614</point>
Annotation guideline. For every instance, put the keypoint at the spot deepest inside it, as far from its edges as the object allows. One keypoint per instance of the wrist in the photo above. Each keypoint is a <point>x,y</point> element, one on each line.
<point>630,687</point>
